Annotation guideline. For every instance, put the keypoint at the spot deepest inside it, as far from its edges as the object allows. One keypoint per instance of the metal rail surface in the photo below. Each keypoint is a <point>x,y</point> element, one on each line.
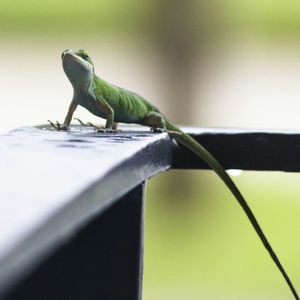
<point>71,218</point>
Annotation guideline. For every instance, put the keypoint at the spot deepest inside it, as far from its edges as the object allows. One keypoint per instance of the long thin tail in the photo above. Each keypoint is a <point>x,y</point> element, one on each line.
<point>199,150</point>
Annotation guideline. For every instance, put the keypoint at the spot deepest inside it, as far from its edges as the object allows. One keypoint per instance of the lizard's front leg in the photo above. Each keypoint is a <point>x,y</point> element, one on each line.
<point>110,125</point>
<point>110,117</point>
<point>68,118</point>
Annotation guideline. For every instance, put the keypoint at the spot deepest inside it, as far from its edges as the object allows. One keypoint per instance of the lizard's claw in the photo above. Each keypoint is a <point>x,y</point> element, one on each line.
<point>84,124</point>
<point>58,126</point>
<point>89,124</point>
<point>80,122</point>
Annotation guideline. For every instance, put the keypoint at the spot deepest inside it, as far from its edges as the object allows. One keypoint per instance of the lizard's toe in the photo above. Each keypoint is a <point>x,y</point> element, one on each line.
<point>89,124</point>
<point>57,126</point>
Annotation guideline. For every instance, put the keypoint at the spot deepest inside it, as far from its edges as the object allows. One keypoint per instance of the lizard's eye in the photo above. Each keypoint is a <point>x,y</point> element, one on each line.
<point>83,52</point>
<point>85,57</point>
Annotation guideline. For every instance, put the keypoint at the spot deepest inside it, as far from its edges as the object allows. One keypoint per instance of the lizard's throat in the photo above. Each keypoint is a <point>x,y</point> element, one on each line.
<point>81,84</point>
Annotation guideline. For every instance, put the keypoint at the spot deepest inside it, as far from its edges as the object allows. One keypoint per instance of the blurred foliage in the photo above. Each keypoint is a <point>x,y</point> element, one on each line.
<point>205,248</point>
<point>275,17</point>
<point>87,16</point>
<point>278,18</point>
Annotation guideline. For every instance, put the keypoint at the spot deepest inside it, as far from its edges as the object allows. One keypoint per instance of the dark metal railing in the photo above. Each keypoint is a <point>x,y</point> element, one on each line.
<point>72,203</point>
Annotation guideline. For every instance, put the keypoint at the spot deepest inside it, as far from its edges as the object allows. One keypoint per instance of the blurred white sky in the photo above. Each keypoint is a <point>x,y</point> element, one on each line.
<point>254,85</point>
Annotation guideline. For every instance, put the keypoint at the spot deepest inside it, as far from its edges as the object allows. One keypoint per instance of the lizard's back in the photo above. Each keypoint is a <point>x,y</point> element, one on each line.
<point>128,106</point>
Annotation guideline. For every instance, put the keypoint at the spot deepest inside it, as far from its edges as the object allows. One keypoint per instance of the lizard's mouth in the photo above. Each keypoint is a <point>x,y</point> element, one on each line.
<point>65,52</point>
<point>74,61</point>
<point>72,56</point>
<point>68,53</point>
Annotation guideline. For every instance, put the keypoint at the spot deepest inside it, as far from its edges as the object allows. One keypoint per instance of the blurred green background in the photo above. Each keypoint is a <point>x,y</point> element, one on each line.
<point>219,63</point>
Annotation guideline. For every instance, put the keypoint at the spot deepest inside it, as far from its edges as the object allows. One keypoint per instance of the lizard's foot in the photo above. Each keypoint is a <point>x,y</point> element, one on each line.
<point>89,124</point>
<point>157,130</point>
<point>59,127</point>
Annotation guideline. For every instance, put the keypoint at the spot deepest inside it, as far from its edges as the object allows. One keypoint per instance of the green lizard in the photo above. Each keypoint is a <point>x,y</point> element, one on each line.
<point>120,105</point>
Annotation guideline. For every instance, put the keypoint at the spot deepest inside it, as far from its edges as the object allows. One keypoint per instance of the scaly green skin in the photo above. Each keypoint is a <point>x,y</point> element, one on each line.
<point>119,105</point>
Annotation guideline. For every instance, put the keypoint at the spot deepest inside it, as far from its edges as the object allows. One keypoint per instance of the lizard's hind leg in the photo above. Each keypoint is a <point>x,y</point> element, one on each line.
<point>155,120</point>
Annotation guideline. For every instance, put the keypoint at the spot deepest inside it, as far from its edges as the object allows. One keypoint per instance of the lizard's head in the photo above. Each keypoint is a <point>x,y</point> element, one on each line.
<point>79,68</point>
